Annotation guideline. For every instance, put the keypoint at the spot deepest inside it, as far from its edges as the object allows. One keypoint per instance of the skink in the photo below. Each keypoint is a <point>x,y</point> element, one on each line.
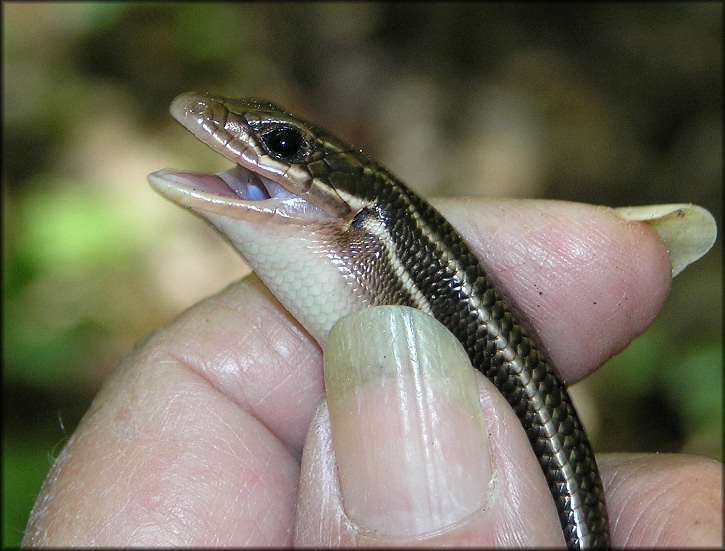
<point>331,231</point>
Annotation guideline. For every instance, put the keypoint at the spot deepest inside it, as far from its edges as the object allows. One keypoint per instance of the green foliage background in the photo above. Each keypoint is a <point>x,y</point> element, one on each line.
<point>612,104</point>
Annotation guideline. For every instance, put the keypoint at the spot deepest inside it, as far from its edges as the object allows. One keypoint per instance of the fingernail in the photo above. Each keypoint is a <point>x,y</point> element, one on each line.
<point>688,231</point>
<point>409,437</point>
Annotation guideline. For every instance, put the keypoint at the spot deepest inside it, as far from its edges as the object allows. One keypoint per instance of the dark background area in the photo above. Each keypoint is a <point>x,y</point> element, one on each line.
<point>615,104</point>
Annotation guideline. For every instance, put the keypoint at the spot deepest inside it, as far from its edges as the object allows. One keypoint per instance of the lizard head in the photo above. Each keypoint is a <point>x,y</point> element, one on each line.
<point>284,166</point>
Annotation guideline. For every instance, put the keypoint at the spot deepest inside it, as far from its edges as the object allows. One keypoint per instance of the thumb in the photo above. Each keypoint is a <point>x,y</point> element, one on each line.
<point>414,446</point>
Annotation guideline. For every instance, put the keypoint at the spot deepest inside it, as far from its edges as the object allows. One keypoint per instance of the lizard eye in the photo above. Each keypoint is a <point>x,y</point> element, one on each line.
<point>285,143</point>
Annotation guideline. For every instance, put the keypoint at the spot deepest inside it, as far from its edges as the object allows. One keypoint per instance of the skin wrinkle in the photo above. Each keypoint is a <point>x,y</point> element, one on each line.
<point>522,251</point>
<point>231,521</point>
<point>253,474</point>
<point>287,357</point>
<point>642,522</point>
<point>270,329</point>
<point>109,520</point>
<point>551,249</point>
<point>662,517</point>
<point>616,481</point>
<point>169,410</point>
<point>173,410</point>
<point>653,496</point>
<point>177,515</point>
<point>629,295</point>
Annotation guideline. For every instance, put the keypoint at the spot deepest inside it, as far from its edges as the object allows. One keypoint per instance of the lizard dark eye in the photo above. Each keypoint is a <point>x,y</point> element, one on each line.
<point>284,143</point>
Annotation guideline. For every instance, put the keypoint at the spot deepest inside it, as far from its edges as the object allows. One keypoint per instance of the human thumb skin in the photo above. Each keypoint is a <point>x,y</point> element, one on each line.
<point>414,447</point>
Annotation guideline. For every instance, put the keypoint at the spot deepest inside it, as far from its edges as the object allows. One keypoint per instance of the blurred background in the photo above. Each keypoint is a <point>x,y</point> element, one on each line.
<point>616,104</point>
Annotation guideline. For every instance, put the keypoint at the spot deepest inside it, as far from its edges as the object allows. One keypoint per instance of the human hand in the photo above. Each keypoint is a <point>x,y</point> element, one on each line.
<point>196,437</point>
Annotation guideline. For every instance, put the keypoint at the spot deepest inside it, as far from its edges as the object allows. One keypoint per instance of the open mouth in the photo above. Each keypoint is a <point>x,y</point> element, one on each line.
<point>236,193</point>
<point>235,183</point>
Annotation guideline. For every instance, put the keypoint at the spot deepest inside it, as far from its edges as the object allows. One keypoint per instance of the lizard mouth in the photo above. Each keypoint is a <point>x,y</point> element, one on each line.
<point>244,184</point>
<point>237,193</point>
